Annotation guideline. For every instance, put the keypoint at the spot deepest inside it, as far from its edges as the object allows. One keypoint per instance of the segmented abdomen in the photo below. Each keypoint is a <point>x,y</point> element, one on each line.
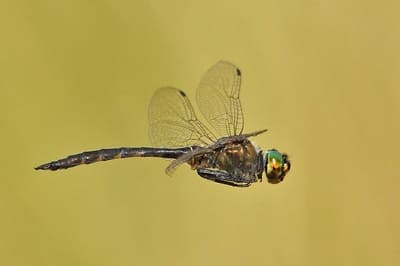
<point>109,154</point>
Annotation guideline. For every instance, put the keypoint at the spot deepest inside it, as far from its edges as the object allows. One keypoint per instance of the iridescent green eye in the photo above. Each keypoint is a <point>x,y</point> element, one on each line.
<point>275,156</point>
<point>276,166</point>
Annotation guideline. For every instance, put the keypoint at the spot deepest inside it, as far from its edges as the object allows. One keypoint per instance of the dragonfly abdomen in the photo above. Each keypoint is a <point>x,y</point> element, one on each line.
<point>89,157</point>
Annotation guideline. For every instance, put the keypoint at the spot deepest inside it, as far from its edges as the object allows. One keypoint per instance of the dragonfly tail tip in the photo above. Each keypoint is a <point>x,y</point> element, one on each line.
<point>43,167</point>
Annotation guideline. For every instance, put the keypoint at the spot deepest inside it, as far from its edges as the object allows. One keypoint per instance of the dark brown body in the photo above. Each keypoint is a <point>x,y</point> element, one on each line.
<point>239,158</point>
<point>231,160</point>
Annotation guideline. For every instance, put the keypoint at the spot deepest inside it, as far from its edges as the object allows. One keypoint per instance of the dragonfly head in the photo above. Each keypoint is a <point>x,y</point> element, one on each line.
<point>276,166</point>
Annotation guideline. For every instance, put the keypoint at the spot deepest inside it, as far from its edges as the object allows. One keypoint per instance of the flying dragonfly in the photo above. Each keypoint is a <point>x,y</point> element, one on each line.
<point>219,150</point>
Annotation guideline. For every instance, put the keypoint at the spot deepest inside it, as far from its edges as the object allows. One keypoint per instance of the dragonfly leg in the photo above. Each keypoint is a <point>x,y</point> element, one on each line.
<point>222,177</point>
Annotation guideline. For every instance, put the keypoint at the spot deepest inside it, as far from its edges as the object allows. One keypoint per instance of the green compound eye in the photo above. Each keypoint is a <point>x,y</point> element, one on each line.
<point>276,166</point>
<point>274,155</point>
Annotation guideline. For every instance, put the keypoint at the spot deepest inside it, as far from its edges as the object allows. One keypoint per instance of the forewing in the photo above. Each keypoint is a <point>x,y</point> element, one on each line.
<point>218,98</point>
<point>173,123</point>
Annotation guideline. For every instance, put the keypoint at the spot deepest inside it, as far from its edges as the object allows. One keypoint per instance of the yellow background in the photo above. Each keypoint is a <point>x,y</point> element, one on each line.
<point>322,76</point>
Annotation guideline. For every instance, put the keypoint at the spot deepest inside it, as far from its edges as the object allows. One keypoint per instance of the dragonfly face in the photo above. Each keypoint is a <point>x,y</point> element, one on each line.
<point>276,166</point>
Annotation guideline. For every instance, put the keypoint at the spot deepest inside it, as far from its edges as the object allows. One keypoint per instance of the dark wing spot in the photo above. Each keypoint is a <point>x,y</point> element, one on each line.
<point>182,93</point>
<point>238,72</point>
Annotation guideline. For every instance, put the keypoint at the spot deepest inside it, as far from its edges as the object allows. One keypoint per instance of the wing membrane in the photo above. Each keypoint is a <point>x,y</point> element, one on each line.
<point>173,123</point>
<point>218,98</point>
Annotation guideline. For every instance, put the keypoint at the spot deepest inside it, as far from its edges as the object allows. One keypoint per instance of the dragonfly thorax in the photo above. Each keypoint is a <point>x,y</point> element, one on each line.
<point>239,159</point>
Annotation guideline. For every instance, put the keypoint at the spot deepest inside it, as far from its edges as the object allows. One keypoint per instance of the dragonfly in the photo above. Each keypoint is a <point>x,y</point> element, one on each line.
<point>217,149</point>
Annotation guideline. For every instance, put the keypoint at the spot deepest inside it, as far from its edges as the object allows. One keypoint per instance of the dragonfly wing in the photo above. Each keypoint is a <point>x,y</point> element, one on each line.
<point>173,122</point>
<point>186,158</point>
<point>218,98</point>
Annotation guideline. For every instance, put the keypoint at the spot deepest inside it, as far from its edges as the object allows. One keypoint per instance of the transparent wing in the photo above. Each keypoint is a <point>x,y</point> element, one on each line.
<point>173,123</point>
<point>185,158</point>
<point>218,98</point>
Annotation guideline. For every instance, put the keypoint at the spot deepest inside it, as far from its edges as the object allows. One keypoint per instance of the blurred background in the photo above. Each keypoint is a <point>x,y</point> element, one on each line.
<point>323,77</point>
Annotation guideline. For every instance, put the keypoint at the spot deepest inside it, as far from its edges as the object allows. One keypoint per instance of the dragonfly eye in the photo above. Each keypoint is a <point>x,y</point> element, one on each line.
<point>276,166</point>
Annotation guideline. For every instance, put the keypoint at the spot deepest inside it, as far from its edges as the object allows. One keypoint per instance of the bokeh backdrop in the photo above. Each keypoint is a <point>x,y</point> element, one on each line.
<point>322,76</point>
